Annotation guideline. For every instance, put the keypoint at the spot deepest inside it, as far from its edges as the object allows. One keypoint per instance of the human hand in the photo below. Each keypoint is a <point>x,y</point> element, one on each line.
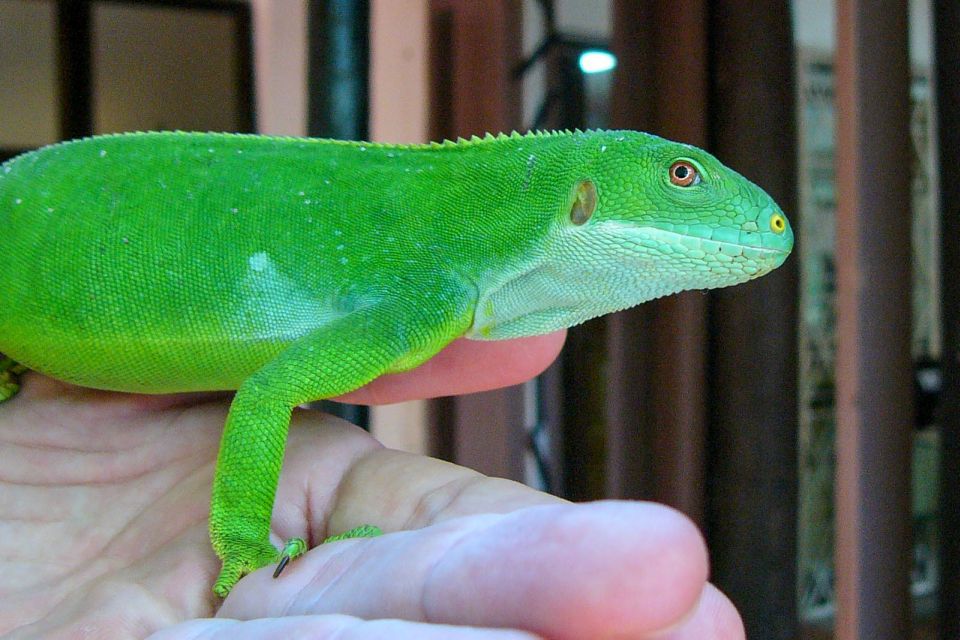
<point>104,501</point>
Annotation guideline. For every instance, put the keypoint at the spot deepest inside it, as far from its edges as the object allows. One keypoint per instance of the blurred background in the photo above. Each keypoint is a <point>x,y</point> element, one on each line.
<point>809,422</point>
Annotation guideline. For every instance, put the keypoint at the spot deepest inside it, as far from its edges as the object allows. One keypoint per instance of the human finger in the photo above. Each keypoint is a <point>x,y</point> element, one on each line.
<point>598,570</point>
<point>465,366</point>
<point>714,618</point>
<point>328,627</point>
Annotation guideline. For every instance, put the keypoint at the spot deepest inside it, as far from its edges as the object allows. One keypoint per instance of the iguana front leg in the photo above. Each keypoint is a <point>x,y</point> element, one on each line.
<point>332,360</point>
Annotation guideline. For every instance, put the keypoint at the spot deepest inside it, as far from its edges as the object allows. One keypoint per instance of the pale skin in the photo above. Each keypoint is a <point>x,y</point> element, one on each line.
<point>104,499</point>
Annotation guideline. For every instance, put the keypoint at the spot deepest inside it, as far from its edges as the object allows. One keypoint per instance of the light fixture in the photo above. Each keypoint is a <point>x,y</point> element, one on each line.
<point>597,61</point>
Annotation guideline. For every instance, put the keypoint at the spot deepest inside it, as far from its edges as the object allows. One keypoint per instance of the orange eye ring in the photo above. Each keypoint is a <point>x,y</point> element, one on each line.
<point>684,174</point>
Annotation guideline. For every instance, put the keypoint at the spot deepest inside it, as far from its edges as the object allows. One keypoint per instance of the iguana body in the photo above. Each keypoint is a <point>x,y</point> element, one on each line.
<point>298,269</point>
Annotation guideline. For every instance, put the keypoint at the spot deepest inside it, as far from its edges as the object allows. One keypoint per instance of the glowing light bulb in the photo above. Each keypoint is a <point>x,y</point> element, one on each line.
<point>597,61</point>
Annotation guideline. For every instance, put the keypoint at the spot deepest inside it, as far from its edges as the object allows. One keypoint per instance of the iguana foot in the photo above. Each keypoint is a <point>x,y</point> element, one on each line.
<point>297,547</point>
<point>363,531</point>
<point>242,558</point>
<point>9,377</point>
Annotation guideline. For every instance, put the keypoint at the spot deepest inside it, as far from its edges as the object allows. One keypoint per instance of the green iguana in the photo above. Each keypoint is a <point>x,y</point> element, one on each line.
<point>297,269</point>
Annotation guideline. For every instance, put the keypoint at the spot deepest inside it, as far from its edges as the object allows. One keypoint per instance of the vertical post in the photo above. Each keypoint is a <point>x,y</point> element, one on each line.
<point>337,102</point>
<point>279,66</point>
<point>243,32</point>
<point>874,373</point>
<point>482,40</point>
<point>338,68</point>
<point>752,464</point>
<point>946,24</point>
<point>656,403</point>
<point>74,58</point>
<point>399,93</point>
<point>486,40</point>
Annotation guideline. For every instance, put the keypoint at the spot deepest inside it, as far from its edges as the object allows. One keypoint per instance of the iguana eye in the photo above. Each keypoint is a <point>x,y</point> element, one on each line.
<point>778,224</point>
<point>684,174</point>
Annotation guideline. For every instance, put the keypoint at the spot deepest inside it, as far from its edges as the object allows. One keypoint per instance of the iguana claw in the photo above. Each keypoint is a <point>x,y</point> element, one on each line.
<point>296,546</point>
<point>293,548</point>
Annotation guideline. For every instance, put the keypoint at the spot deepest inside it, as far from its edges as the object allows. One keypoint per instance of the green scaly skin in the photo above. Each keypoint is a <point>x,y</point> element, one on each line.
<point>297,269</point>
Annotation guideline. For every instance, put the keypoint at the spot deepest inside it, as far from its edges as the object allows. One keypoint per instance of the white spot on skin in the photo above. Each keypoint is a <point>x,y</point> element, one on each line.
<point>301,193</point>
<point>531,160</point>
<point>233,210</point>
<point>259,261</point>
<point>337,232</point>
<point>339,247</point>
<point>603,148</point>
<point>103,153</point>
<point>295,310</point>
<point>18,201</point>
<point>343,261</point>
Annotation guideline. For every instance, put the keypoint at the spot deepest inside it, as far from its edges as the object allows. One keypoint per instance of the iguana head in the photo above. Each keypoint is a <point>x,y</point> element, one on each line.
<point>659,217</point>
<point>643,218</point>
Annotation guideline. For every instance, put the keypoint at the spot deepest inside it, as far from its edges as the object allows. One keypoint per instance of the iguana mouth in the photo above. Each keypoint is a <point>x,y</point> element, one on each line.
<point>714,247</point>
<point>697,247</point>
